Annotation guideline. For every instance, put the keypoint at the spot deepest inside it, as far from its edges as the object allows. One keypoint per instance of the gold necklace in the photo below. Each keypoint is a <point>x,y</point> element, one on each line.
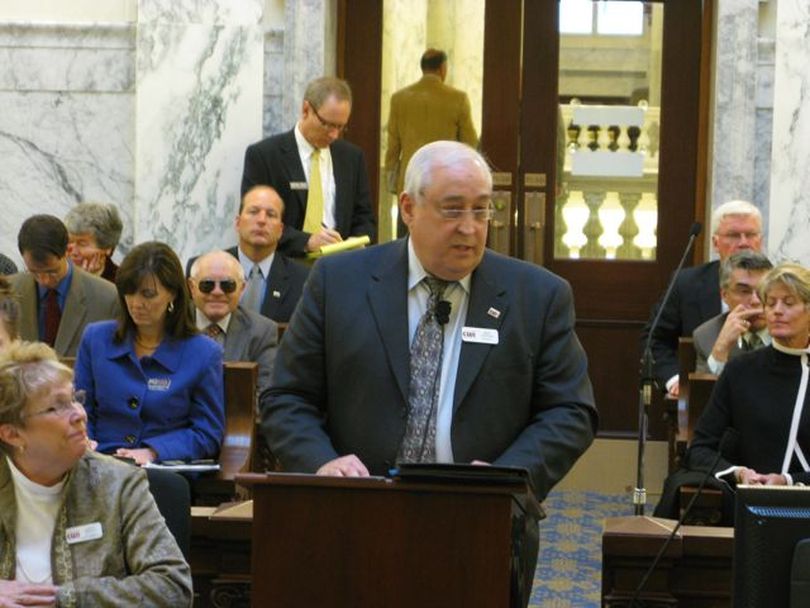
<point>145,345</point>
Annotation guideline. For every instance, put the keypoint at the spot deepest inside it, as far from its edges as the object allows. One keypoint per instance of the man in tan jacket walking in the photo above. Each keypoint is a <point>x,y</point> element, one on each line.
<point>423,112</point>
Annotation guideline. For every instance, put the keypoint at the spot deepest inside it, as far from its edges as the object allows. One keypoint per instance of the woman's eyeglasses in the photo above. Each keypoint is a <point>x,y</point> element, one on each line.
<point>61,407</point>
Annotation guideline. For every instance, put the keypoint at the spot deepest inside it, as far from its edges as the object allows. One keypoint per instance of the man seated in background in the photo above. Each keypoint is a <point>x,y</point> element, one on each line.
<point>743,327</point>
<point>57,299</point>
<point>695,298</point>
<point>274,281</point>
<point>217,281</point>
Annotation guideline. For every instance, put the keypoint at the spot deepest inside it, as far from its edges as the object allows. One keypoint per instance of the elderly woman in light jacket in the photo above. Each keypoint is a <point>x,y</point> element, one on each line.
<point>76,528</point>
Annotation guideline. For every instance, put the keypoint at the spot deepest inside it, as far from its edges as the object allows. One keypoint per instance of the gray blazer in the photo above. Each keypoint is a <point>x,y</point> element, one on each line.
<point>340,384</point>
<point>704,336</point>
<point>89,299</point>
<point>252,337</point>
<point>136,562</point>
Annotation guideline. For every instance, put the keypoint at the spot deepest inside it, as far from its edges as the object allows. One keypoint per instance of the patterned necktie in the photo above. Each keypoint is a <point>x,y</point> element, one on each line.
<point>252,298</point>
<point>751,342</point>
<point>313,218</point>
<point>52,317</point>
<point>215,332</point>
<point>419,442</point>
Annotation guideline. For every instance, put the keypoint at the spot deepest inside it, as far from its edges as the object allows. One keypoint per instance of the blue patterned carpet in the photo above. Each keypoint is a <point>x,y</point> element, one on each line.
<point>569,567</point>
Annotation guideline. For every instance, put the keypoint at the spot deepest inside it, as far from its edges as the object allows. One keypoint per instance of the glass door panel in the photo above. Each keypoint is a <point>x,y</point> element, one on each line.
<point>610,118</point>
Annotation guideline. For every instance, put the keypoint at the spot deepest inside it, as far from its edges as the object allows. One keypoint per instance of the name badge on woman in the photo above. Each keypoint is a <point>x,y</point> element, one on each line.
<point>158,384</point>
<point>81,534</point>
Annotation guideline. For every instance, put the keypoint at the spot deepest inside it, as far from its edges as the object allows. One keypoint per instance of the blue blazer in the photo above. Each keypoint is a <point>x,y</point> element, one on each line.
<point>172,402</point>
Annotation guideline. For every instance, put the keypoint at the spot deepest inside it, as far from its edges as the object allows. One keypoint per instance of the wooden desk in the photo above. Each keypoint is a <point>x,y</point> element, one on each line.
<point>695,571</point>
<point>683,413</point>
<point>369,542</point>
<point>220,560</point>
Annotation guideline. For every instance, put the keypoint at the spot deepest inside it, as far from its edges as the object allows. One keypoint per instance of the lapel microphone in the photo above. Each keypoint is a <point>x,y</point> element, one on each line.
<point>443,308</point>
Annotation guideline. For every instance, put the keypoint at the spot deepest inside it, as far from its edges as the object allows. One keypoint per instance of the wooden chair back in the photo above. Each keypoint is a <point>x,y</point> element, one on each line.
<point>240,418</point>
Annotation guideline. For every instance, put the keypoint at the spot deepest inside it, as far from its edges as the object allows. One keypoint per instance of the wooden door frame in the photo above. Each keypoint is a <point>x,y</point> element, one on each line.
<point>359,61</point>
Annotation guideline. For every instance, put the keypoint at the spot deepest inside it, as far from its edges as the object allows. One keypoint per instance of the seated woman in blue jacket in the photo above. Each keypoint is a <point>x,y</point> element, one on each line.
<point>154,386</point>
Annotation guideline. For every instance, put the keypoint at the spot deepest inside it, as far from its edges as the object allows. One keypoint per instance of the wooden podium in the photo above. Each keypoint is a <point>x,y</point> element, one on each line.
<point>370,542</point>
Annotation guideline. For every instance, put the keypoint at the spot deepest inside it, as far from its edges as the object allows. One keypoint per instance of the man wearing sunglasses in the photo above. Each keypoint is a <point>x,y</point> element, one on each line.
<point>321,178</point>
<point>217,281</point>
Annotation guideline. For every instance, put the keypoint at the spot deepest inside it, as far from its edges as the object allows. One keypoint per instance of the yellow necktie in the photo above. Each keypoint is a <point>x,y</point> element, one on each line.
<point>314,215</point>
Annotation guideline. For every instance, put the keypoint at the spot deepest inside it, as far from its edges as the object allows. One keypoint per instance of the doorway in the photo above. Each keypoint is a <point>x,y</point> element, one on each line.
<point>597,140</point>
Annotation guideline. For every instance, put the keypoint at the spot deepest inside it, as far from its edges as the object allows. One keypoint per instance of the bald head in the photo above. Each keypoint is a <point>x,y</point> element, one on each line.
<point>217,282</point>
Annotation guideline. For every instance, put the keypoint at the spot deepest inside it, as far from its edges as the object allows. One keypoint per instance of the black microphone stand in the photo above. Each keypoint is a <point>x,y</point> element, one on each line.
<point>647,379</point>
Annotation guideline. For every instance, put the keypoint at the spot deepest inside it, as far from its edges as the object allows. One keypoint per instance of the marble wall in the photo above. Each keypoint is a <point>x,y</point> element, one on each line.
<point>66,129</point>
<point>152,115</point>
<point>198,104</point>
<point>789,177</point>
<point>742,108</point>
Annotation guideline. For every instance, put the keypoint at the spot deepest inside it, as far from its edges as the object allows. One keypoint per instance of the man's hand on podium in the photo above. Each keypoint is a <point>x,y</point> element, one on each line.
<point>345,466</point>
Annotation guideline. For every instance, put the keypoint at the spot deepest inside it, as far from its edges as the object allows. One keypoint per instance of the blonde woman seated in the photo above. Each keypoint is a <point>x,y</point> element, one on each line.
<point>9,315</point>
<point>76,528</point>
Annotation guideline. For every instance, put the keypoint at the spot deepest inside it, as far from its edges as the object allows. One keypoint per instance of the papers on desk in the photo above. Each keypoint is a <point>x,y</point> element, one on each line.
<point>183,467</point>
<point>234,510</point>
<point>353,242</point>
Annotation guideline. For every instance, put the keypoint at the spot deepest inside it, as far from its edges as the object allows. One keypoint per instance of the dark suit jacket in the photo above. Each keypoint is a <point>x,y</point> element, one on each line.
<point>275,161</point>
<point>89,299</point>
<point>704,336</point>
<point>284,285</point>
<point>340,384</point>
<point>252,337</point>
<point>754,396</point>
<point>695,299</point>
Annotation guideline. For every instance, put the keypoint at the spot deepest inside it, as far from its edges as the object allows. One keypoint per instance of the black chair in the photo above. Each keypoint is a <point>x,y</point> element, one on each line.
<point>173,498</point>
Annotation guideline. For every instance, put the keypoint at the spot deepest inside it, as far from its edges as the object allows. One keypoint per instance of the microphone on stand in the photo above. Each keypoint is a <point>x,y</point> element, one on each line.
<point>728,445</point>
<point>647,378</point>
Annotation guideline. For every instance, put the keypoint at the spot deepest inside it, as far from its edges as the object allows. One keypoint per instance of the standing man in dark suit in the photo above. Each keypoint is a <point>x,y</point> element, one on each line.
<point>321,178</point>
<point>736,226</point>
<point>57,299</point>
<point>432,348</point>
<point>217,282</point>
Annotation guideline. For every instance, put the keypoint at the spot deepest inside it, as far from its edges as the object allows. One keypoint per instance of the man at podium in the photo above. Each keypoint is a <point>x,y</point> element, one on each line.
<point>432,348</point>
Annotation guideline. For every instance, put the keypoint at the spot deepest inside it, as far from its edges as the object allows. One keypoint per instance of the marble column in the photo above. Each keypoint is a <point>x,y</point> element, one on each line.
<point>198,104</point>
<point>310,36</point>
<point>735,85</point>
<point>66,93</point>
<point>458,28</point>
<point>790,179</point>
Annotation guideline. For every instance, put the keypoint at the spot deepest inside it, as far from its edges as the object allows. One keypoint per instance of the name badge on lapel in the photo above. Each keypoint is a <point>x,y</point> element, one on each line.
<point>81,534</point>
<point>158,384</point>
<point>298,186</point>
<point>479,335</point>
